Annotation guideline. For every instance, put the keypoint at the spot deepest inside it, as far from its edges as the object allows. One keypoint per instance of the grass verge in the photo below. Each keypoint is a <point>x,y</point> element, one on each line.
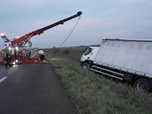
<point>93,94</point>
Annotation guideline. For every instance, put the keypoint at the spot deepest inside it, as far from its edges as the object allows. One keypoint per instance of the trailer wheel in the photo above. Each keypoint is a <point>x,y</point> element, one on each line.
<point>142,85</point>
<point>86,66</point>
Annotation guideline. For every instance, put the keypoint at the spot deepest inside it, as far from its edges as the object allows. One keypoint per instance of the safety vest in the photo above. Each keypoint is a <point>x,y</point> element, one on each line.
<point>23,51</point>
<point>41,52</point>
<point>3,52</point>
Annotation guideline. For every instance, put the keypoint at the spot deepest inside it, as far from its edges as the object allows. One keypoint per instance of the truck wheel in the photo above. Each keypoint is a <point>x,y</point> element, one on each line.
<point>142,85</point>
<point>85,66</point>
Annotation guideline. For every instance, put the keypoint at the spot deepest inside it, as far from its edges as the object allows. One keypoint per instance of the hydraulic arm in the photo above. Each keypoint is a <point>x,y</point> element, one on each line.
<point>26,37</point>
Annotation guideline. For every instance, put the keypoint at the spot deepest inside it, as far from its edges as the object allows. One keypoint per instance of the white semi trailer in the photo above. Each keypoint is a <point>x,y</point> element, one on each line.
<point>123,59</point>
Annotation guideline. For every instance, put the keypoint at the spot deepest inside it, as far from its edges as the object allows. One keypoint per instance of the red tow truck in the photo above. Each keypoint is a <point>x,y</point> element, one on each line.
<point>19,52</point>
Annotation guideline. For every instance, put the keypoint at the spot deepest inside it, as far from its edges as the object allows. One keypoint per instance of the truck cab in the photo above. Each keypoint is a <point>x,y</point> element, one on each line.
<point>88,56</point>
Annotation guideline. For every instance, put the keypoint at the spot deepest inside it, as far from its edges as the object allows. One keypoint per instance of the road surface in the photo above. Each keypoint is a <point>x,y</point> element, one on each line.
<point>32,89</point>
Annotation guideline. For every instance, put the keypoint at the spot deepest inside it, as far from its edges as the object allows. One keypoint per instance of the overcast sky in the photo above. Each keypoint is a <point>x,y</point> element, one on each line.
<point>100,19</point>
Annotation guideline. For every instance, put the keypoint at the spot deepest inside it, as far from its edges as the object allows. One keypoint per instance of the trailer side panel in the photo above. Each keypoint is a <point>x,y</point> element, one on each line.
<point>129,55</point>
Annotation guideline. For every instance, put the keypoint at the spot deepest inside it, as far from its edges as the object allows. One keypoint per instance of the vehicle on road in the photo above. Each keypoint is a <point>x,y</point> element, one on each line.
<point>124,59</point>
<point>20,47</point>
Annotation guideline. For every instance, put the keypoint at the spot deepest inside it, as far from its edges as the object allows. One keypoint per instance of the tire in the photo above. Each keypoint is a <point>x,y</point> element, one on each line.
<point>142,85</point>
<point>85,66</point>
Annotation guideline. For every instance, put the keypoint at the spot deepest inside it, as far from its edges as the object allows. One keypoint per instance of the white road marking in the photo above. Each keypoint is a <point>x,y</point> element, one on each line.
<point>2,79</point>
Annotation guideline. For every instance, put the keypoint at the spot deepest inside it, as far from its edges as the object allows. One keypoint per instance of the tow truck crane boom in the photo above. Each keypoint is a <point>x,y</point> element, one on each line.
<point>61,21</point>
<point>40,31</point>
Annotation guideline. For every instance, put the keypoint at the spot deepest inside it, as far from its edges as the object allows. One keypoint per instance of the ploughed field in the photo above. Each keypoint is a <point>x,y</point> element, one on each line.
<point>72,54</point>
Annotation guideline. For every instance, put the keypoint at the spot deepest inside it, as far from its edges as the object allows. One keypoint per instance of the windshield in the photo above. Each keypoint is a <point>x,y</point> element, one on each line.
<point>88,51</point>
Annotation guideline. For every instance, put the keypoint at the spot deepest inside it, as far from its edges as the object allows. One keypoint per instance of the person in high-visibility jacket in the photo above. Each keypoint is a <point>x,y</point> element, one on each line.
<point>41,55</point>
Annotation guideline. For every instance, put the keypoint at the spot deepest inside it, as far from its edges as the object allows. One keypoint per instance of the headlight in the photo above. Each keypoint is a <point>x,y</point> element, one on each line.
<point>16,48</point>
<point>9,48</point>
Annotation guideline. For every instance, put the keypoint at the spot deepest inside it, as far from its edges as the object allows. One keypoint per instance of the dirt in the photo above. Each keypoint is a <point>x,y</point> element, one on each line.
<point>71,54</point>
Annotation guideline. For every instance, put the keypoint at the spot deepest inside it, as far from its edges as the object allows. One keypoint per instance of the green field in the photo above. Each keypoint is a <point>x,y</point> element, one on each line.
<point>94,94</point>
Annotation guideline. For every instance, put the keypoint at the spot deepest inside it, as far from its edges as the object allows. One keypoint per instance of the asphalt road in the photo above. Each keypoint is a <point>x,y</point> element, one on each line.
<point>32,89</point>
